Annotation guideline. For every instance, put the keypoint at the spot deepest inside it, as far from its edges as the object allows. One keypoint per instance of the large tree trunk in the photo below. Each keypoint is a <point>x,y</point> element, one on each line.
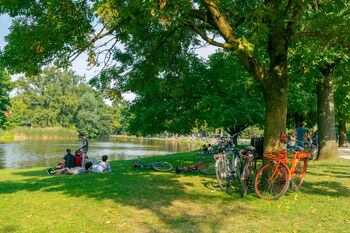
<point>275,112</point>
<point>343,142</point>
<point>328,147</point>
<point>276,88</point>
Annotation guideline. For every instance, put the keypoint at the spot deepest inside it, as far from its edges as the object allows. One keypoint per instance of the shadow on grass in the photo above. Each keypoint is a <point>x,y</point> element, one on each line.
<point>142,189</point>
<point>333,166</point>
<point>325,188</point>
<point>331,173</point>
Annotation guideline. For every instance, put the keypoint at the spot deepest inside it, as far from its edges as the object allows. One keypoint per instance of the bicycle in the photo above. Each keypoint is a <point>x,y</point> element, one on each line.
<point>272,180</point>
<point>249,157</point>
<point>225,173</point>
<point>205,166</point>
<point>314,151</point>
<point>159,166</point>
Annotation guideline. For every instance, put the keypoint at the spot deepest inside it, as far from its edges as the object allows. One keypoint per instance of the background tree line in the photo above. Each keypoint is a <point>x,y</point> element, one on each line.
<point>56,98</point>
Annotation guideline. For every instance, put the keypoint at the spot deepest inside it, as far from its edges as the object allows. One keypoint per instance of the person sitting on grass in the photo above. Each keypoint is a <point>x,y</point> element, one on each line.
<point>103,166</point>
<point>210,149</point>
<point>70,171</point>
<point>77,158</point>
<point>68,160</point>
<point>204,149</point>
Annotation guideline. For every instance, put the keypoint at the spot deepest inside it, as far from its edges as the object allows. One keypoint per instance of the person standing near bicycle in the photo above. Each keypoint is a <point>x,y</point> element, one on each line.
<point>84,149</point>
<point>301,134</point>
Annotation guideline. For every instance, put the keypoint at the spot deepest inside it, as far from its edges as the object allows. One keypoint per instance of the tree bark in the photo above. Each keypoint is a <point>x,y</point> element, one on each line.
<point>275,112</point>
<point>276,88</point>
<point>343,142</point>
<point>328,147</point>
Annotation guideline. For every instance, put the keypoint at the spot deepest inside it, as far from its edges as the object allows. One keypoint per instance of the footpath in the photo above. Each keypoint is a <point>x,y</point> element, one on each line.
<point>344,152</point>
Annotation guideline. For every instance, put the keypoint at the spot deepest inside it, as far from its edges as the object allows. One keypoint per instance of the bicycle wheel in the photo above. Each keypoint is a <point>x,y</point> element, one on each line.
<point>222,170</point>
<point>207,166</point>
<point>238,165</point>
<point>272,181</point>
<point>246,178</point>
<point>162,166</point>
<point>299,174</point>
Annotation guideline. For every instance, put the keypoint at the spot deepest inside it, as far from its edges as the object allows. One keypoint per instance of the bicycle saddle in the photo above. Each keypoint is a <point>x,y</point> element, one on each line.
<point>250,148</point>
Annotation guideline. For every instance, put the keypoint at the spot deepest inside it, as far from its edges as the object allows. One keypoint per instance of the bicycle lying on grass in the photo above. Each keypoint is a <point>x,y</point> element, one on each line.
<point>273,179</point>
<point>205,166</point>
<point>159,166</point>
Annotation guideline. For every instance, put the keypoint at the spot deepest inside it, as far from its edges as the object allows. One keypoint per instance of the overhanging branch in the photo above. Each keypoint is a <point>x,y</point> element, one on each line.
<point>206,38</point>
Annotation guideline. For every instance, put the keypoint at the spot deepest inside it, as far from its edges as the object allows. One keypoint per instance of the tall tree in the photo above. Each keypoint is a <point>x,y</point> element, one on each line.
<point>155,33</point>
<point>342,102</point>
<point>328,147</point>
<point>50,99</point>
<point>56,98</point>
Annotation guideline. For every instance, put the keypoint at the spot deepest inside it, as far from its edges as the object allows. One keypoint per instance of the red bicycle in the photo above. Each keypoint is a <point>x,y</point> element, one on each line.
<point>205,166</point>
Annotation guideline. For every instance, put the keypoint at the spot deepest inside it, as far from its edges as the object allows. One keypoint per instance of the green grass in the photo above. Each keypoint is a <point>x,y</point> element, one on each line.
<point>25,133</point>
<point>129,200</point>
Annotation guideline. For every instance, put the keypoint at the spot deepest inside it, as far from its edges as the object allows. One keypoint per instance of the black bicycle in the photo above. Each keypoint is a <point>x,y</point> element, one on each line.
<point>159,166</point>
<point>249,157</point>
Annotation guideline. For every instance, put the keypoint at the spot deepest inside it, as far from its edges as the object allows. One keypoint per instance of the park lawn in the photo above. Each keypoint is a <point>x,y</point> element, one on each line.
<point>129,200</point>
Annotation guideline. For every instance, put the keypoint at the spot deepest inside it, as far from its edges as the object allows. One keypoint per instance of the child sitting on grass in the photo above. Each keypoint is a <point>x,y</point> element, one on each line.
<point>102,166</point>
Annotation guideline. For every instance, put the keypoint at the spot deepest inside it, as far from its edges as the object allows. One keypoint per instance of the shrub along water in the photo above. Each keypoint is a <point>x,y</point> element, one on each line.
<point>25,133</point>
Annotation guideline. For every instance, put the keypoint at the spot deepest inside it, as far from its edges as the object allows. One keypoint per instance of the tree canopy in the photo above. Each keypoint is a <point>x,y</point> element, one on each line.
<point>218,94</point>
<point>57,98</point>
<point>156,34</point>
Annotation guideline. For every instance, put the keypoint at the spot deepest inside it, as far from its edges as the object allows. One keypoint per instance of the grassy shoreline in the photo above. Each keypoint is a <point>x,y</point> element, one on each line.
<point>129,200</point>
<point>27,133</point>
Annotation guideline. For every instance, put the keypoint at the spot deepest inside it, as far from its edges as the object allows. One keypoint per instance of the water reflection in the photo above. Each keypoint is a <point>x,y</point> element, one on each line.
<point>28,154</point>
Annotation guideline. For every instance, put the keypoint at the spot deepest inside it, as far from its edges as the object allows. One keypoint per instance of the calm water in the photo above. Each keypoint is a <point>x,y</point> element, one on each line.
<point>28,154</point>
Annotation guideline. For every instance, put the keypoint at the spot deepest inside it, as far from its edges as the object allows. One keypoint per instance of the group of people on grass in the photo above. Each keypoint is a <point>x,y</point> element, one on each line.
<point>79,162</point>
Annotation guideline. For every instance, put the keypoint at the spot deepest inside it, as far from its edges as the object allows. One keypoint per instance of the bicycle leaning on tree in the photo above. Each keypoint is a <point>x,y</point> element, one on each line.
<point>249,157</point>
<point>272,180</point>
<point>225,170</point>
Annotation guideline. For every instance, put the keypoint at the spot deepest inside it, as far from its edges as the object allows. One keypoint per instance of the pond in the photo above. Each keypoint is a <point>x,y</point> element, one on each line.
<point>36,153</point>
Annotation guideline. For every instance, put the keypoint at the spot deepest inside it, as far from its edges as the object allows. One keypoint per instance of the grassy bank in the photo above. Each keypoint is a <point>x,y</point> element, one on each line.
<point>129,200</point>
<point>26,133</point>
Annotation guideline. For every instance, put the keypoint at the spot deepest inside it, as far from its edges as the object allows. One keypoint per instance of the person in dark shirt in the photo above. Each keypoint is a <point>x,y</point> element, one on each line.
<point>68,159</point>
<point>301,135</point>
<point>84,148</point>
